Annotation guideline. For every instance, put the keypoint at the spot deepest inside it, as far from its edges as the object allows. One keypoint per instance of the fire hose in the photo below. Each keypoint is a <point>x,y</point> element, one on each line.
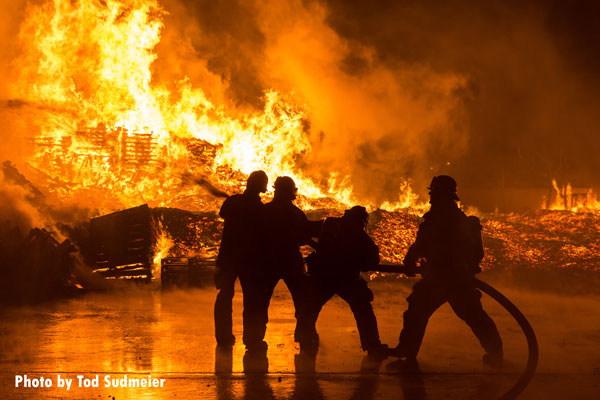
<point>532,360</point>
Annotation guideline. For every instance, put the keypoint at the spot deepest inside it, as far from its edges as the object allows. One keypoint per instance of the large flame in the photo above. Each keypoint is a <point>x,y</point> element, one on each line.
<point>110,127</point>
<point>112,135</point>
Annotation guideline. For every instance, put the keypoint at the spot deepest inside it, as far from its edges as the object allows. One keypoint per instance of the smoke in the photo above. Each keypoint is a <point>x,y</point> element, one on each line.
<point>370,123</point>
<point>494,94</point>
<point>15,210</point>
<point>218,45</point>
<point>529,90</point>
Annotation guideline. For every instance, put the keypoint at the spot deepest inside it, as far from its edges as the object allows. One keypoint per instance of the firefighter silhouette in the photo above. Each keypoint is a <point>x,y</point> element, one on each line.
<point>343,251</point>
<point>286,229</point>
<point>239,253</point>
<point>448,247</point>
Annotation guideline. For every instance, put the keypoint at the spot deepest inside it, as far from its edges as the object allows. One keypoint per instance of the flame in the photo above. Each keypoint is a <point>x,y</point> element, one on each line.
<point>109,124</point>
<point>566,198</point>
<point>162,247</point>
<point>407,199</point>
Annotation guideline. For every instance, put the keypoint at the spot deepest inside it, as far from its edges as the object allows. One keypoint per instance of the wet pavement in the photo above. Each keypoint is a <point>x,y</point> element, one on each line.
<point>141,331</point>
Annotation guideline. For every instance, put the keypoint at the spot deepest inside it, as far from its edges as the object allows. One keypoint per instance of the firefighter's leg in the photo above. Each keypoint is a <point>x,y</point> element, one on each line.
<point>300,287</point>
<point>319,293</point>
<point>359,297</point>
<point>225,282</point>
<point>466,303</point>
<point>425,298</point>
<point>257,290</point>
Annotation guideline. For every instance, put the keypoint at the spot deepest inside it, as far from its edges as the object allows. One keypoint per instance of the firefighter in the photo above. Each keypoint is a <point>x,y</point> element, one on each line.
<point>239,252</point>
<point>448,248</point>
<point>344,249</point>
<point>286,229</point>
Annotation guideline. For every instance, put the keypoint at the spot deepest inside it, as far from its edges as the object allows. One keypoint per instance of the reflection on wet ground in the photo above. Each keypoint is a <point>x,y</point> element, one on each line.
<point>142,331</point>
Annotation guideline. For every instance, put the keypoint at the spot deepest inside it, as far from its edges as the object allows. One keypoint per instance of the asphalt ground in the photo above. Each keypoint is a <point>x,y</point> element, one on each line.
<point>141,331</point>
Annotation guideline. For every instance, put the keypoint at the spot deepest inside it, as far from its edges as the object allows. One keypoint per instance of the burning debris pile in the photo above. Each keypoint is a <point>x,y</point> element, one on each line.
<point>35,266</point>
<point>542,249</point>
<point>132,243</point>
<point>544,240</point>
<point>37,259</point>
<point>556,250</point>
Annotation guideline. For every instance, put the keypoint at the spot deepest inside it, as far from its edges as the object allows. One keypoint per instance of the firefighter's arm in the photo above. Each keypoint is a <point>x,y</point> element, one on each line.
<point>371,255</point>
<point>307,230</point>
<point>415,251</point>
<point>476,243</point>
<point>220,276</point>
<point>314,228</point>
<point>225,211</point>
<point>312,231</point>
<point>410,261</point>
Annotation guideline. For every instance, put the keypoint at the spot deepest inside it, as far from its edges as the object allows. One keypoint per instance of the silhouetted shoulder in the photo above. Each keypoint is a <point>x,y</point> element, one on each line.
<point>299,213</point>
<point>229,204</point>
<point>284,210</point>
<point>331,222</point>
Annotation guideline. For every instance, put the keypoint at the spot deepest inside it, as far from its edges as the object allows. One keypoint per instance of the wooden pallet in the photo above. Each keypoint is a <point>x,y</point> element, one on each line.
<point>123,243</point>
<point>187,271</point>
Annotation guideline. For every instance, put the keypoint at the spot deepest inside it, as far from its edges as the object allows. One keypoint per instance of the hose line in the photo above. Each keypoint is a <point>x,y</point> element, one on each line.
<point>532,343</point>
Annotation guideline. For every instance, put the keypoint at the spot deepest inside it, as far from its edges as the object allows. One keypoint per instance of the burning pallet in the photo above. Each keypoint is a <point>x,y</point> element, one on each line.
<point>118,147</point>
<point>186,271</point>
<point>123,244</point>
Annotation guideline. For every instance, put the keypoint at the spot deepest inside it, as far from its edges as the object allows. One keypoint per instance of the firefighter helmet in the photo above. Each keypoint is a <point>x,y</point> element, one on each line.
<point>357,214</point>
<point>258,180</point>
<point>443,185</point>
<point>285,186</point>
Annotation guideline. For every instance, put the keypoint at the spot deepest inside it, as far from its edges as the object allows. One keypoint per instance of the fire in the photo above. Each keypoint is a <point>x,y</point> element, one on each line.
<point>569,199</point>
<point>407,199</point>
<point>107,123</point>
<point>162,247</point>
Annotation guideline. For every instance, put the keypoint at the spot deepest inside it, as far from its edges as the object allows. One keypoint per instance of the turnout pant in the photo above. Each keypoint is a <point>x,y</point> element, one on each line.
<point>258,290</point>
<point>428,295</point>
<point>225,283</point>
<point>253,289</point>
<point>357,294</point>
